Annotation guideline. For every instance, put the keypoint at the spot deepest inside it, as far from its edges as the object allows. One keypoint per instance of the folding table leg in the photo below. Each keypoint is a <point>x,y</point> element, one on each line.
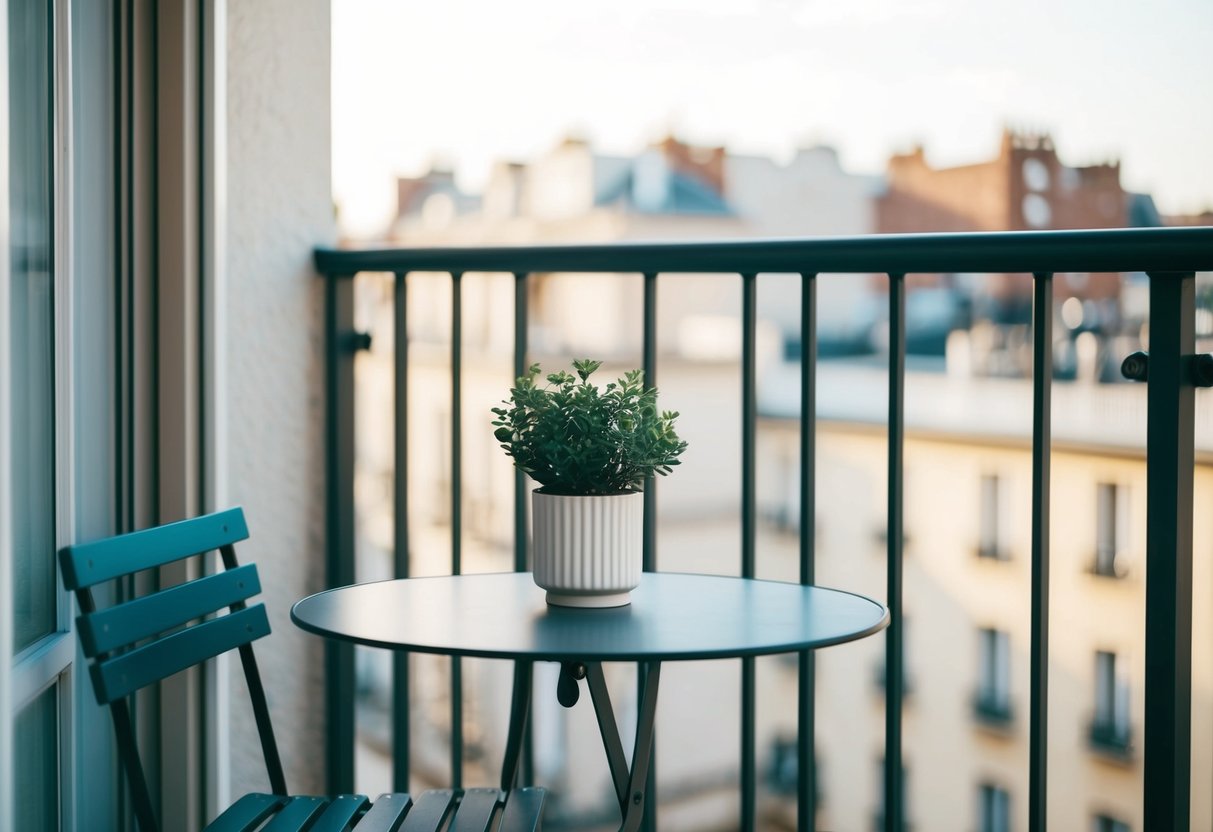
<point>629,784</point>
<point>520,707</point>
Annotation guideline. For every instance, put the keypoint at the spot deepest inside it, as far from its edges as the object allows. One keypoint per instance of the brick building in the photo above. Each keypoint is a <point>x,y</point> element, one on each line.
<point>1025,188</point>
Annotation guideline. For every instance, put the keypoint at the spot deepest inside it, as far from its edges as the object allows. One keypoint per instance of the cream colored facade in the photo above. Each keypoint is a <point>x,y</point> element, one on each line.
<point>950,593</point>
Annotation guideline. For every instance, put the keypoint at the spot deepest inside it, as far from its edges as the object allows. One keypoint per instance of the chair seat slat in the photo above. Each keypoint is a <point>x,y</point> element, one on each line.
<point>124,674</point>
<point>385,814</point>
<point>247,813</point>
<point>151,615</point>
<point>477,810</point>
<point>87,564</point>
<point>297,815</point>
<point>427,814</point>
<point>341,813</point>
<point>523,810</point>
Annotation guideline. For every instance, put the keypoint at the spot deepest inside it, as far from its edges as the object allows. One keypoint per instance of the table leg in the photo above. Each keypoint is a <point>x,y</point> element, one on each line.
<point>629,785</point>
<point>520,708</point>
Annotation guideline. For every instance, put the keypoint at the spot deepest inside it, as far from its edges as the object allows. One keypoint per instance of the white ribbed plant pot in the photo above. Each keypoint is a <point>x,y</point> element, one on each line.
<point>588,551</point>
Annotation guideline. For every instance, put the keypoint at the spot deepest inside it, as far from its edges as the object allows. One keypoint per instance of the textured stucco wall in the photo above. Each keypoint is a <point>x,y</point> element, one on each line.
<point>279,206</point>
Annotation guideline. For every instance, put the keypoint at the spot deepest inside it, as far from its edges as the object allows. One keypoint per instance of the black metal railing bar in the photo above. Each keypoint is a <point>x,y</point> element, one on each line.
<point>749,427</point>
<point>400,525</point>
<point>521,345</point>
<point>1042,433</point>
<point>649,556</point>
<point>339,523</point>
<point>1157,250</point>
<point>894,785</point>
<point>1169,471</point>
<point>456,512</point>
<point>806,716</point>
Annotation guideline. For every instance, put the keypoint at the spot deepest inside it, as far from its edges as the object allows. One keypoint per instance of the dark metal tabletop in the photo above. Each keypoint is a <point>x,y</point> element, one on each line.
<point>672,617</point>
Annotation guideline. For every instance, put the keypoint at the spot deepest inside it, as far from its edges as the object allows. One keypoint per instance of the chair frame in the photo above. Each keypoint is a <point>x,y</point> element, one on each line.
<point>137,642</point>
<point>86,565</point>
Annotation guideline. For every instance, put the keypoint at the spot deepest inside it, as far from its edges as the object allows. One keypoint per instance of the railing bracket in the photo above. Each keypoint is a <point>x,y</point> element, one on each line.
<point>1136,366</point>
<point>359,341</point>
<point>1201,370</point>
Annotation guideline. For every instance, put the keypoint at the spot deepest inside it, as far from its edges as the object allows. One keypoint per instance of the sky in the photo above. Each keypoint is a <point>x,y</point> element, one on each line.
<point>463,83</point>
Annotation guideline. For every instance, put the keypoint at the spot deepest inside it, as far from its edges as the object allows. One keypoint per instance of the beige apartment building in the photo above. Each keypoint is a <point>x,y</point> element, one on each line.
<point>967,596</point>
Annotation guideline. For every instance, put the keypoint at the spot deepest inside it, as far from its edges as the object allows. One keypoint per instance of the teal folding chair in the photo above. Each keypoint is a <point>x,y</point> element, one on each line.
<point>138,642</point>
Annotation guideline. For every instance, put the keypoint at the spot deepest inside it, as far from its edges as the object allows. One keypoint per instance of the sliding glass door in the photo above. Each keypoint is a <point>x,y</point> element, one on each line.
<point>43,648</point>
<point>60,331</point>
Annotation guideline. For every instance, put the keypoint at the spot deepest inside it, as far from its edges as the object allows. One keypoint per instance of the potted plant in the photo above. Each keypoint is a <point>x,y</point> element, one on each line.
<point>591,452</point>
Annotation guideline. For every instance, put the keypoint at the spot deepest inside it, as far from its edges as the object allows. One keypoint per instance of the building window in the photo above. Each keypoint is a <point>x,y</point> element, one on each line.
<point>1110,731</point>
<point>993,523</point>
<point>1103,823</point>
<point>992,703</point>
<point>995,808</point>
<point>783,769</point>
<point>1111,529</point>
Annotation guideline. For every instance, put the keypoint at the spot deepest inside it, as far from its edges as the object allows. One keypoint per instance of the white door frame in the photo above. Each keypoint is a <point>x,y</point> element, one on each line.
<point>191,126</point>
<point>217,697</point>
<point>6,461</point>
<point>51,660</point>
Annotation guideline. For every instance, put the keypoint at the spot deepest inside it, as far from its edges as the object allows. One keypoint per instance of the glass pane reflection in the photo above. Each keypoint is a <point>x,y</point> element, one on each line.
<point>31,329</point>
<point>36,774</point>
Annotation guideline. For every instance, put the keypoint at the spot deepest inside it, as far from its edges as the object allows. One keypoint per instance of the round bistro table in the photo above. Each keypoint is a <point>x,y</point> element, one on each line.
<point>672,617</point>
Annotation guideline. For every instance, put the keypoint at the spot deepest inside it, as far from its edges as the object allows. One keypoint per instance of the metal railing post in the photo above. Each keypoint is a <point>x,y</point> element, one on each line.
<point>456,513</point>
<point>400,528</point>
<point>1042,397</point>
<point>749,426</point>
<point>1169,471</point>
<point>340,347</point>
<point>806,756</point>
<point>649,556</point>
<point>894,787</point>
<point>521,528</point>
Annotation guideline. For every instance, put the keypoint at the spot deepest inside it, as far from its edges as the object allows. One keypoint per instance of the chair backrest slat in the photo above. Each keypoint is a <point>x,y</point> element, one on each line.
<point>124,674</point>
<point>88,564</point>
<point>151,615</point>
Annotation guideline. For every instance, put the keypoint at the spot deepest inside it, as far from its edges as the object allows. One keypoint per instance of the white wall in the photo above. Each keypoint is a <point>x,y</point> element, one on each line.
<point>279,206</point>
<point>810,196</point>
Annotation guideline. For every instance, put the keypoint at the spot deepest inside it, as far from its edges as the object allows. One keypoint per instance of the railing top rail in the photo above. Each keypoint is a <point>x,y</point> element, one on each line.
<point>1103,250</point>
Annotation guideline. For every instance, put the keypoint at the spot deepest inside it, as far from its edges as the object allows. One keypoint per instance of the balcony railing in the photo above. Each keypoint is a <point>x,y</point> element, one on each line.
<point>1169,256</point>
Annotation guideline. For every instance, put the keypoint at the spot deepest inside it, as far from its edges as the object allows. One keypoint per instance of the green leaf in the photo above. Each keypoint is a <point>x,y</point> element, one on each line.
<point>573,438</point>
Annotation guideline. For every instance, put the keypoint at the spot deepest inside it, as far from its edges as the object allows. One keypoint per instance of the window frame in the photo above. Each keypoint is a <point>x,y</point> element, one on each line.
<point>1111,691</point>
<point>49,661</point>
<point>992,798</point>
<point>992,518</point>
<point>1112,517</point>
<point>994,681</point>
